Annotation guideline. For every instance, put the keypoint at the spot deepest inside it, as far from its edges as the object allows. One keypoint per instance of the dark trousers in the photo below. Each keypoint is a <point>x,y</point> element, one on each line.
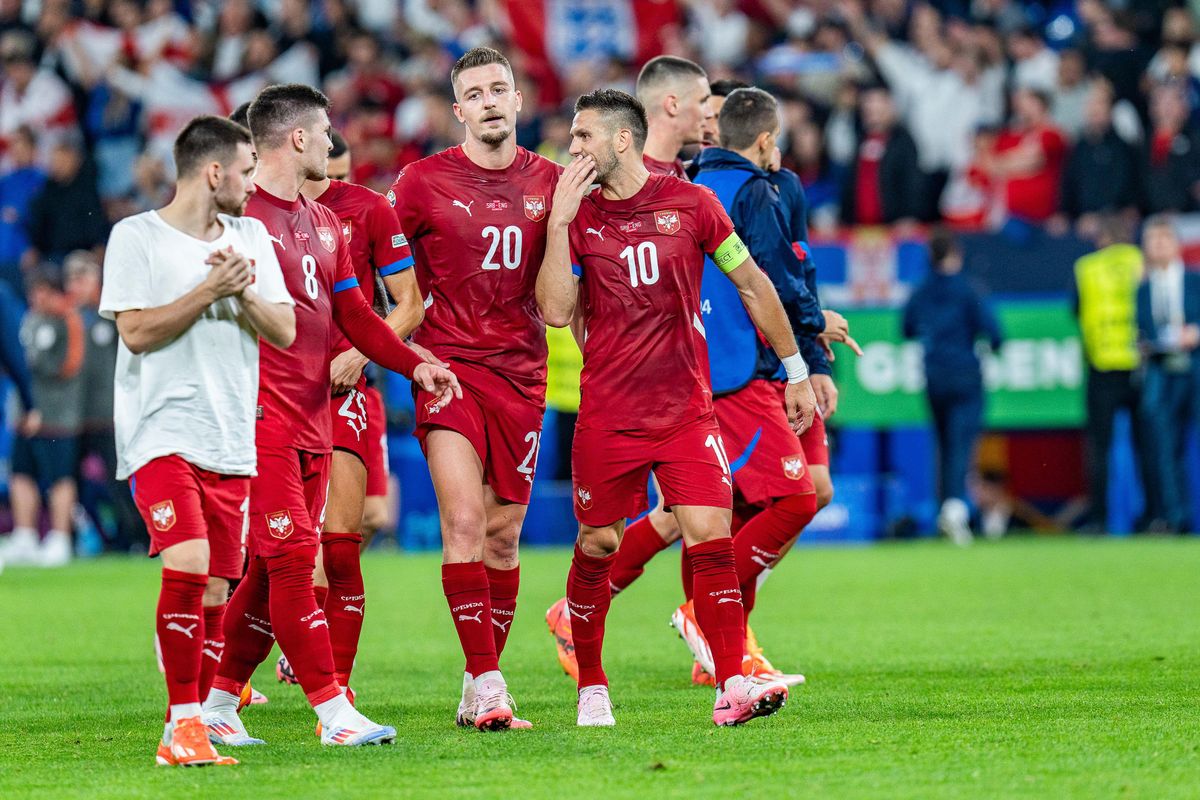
<point>1108,393</point>
<point>957,418</point>
<point>130,529</point>
<point>1169,403</point>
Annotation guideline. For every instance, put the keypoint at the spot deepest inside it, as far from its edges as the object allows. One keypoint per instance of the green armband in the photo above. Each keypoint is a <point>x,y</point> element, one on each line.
<point>730,254</point>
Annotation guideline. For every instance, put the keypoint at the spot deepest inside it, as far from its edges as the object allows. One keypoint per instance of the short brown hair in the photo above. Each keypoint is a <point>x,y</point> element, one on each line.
<point>206,139</point>
<point>478,57</point>
<point>747,113</point>
<point>620,108</point>
<point>278,110</point>
<point>665,69</point>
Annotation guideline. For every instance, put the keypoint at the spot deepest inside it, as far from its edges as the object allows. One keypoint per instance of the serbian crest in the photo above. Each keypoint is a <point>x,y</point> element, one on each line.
<point>163,516</point>
<point>535,207</point>
<point>325,235</point>
<point>347,230</point>
<point>585,497</point>
<point>279,523</point>
<point>793,467</point>
<point>667,221</point>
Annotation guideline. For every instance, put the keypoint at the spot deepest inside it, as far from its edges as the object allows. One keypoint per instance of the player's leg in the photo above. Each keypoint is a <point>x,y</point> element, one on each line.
<point>58,459</point>
<point>501,562</point>
<point>248,637</point>
<point>377,508</point>
<point>226,501</point>
<point>345,603</point>
<point>588,598</point>
<point>22,546</point>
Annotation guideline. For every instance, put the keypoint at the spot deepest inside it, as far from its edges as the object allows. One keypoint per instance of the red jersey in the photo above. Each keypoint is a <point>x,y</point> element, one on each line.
<point>478,236</point>
<point>657,167</point>
<point>293,391</point>
<point>1033,196</point>
<point>641,260</point>
<point>373,236</point>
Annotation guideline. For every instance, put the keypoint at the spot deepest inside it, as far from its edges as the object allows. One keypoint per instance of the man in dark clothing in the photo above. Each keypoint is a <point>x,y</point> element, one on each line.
<point>66,215</point>
<point>947,316</point>
<point>884,183</point>
<point>1171,156</point>
<point>18,186</point>
<point>1168,317</point>
<point>1101,173</point>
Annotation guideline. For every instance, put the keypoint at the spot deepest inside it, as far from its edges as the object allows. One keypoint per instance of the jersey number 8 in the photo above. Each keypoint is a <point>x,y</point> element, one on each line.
<point>508,242</point>
<point>309,266</point>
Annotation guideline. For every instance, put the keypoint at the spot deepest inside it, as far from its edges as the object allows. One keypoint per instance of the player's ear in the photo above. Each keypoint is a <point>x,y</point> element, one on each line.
<point>213,174</point>
<point>299,139</point>
<point>671,105</point>
<point>520,99</point>
<point>458,115</point>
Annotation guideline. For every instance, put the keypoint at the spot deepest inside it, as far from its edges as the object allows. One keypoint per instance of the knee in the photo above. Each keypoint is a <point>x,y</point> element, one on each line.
<point>216,593</point>
<point>824,492</point>
<point>502,544</point>
<point>599,542</point>
<point>464,527</point>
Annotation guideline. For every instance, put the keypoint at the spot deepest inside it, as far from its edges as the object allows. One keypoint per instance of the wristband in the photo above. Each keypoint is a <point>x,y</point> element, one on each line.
<point>797,370</point>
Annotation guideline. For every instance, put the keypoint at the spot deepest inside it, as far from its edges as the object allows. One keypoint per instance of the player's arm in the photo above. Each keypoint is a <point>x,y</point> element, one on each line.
<point>762,303</point>
<point>557,287</point>
<point>145,329</point>
<point>346,367</point>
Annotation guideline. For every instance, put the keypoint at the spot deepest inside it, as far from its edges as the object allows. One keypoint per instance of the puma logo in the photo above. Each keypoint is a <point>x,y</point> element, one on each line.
<point>356,609</point>
<point>215,656</point>
<point>475,618</point>
<point>175,626</point>
<point>501,625</point>
<point>261,630</point>
<point>729,600</point>
<point>466,208</point>
<point>761,562</point>
<point>599,234</point>
<point>584,617</point>
<point>316,623</point>
<point>277,240</point>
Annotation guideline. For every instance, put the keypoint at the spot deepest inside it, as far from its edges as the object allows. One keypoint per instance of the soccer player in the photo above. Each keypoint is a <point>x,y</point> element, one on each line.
<point>192,287</point>
<point>629,258</point>
<point>291,129</point>
<point>475,215</point>
<point>675,93</point>
<point>378,252</point>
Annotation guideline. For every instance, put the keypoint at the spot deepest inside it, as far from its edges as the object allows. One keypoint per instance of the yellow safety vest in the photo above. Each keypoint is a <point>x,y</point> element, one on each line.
<point>563,367</point>
<point>1107,281</point>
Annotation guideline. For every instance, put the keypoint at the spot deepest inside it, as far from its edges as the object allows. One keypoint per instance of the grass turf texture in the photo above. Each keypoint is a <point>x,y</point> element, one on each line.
<point>1030,668</point>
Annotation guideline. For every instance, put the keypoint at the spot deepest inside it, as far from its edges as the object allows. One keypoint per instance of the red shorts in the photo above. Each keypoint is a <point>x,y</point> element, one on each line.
<point>377,448</point>
<point>767,458</point>
<point>610,469</point>
<point>498,419</point>
<point>179,502</point>
<point>287,500</point>
<point>815,440</point>
<point>360,428</point>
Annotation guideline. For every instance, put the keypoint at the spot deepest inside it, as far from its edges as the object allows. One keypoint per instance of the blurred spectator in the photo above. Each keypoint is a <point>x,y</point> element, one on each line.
<point>946,315</point>
<point>18,186</point>
<point>884,182</point>
<point>12,356</point>
<point>1101,174</point>
<point>556,139</point>
<point>821,178</point>
<point>1070,94</point>
<point>1115,52</point>
<point>1035,66</point>
<point>973,199</point>
<point>1104,297</point>
<point>719,30</point>
<point>1168,318</point>
<point>66,214</point>
<point>45,454</point>
<point>563,367</point>
<point>1029,158</point>
<point>1171,157</point>
<point>30,96</point>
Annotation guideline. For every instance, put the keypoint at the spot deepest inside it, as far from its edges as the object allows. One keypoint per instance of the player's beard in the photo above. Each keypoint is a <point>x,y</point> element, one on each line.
<point>494,138</point>
<point>231,202</point>
<point>606,164</point>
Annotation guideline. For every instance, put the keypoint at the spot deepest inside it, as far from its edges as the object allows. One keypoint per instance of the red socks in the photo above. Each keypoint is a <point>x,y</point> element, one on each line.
<point>718,605</point>
<point>300,626</point>
<point>756,546</point>
<point>640,543</point>
<point>179,624</point>
<point>466,588</point>
<point>502,586</point>
<point>248,633</point>
<point>344,604</point>
<point>214,646</point>
<point>588,598</point>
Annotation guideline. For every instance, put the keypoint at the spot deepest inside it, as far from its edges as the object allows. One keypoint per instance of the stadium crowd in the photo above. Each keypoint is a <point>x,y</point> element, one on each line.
<point>983,114</point>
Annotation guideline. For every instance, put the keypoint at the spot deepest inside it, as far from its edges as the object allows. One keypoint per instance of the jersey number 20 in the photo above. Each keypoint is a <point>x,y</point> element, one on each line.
<point>507,243</point>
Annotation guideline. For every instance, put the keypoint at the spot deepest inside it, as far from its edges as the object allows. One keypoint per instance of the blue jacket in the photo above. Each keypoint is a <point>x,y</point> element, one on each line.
<point>12,354</point>
<point>1150,333</point>
<point>737,354</point>
<point>795,204</point>
<point>947,316</point>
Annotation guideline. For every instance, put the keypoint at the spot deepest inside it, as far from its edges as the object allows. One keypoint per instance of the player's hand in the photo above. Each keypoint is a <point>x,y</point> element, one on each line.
<point>573,184</point>
<point>801,403</point>
<point>439,382</point>
<point>345,370</point>
<point>230,274</point>
<point>429,357</point>
<point>826,393</point>
<point>31,423</point>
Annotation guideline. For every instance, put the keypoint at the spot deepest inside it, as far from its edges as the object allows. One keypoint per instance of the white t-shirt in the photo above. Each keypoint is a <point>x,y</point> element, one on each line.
<point>196,395</point>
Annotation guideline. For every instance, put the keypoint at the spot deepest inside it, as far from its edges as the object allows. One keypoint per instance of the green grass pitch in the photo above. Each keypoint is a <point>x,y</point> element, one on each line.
<point>1031,668</point>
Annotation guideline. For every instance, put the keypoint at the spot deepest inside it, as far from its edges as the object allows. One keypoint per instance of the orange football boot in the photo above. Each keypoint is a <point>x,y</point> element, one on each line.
<point>559,620</point>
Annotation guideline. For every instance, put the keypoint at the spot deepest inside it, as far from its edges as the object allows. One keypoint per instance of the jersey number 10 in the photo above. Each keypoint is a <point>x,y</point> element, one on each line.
<point>643,263</point>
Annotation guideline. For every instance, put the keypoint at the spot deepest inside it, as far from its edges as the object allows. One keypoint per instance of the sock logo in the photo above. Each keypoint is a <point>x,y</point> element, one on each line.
<point>162,515</point>
<point>175,626</point>
<point>501,625</point>
<point>209,652</point>
<point>356,609</point>
<point>316,623</point>
<point>584,617</point>
<point>729,600</point>
<point>261,630</point>
<point>472,618</point>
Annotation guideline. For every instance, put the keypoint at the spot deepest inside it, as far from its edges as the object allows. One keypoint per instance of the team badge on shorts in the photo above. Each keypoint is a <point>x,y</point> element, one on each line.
<point>163,516</point>
<point>432,407</point>
<point>347,230</point>
<point>325,236</point>
<point>279,523</point>
<point>583,496</point>
<point>667,221</point>
<point>535,207</point>
<point>793,467</point>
